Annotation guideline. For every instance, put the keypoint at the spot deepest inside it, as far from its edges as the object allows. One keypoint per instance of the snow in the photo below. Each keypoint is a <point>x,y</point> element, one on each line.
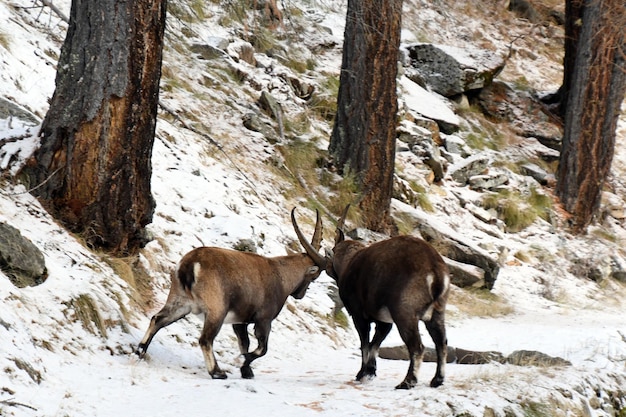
<point>54,365</point>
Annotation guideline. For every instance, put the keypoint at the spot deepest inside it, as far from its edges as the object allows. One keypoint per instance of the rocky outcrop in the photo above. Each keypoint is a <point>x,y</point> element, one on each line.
<point>526,114</point>
<point>449,70</point>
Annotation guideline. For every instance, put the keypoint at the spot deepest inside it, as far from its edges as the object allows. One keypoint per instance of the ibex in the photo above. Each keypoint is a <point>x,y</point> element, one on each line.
<point>228,286</point>
<point>400,280</point>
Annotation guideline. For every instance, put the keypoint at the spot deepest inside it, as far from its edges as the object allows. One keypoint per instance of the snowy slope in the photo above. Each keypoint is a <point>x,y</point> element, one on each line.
<point>53,364</point>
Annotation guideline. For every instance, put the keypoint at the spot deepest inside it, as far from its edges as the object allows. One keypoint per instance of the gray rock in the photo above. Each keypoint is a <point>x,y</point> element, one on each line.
<point>464,275</point>
<point>488,181</point>
<point>9,109</point>
<point>538,173</point>
<point>534,358</point>
<point>207,52</point>
<point>474,165</point>
<point>20,259</point>
<point>449,70</point>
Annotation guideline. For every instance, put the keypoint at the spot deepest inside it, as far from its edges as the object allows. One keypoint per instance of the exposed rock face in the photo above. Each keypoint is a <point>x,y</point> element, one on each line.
<point>450,71</point>
<point>528,115</point>
<point>20,259</point>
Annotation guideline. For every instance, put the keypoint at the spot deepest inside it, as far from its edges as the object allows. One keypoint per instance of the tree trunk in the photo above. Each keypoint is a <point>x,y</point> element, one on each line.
<point>363,137</point>
<point>93,169</point>
<point>597,88</point>
<point>573,20</point>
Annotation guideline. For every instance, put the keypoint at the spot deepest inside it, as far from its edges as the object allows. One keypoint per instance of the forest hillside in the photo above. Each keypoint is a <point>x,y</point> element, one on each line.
<point>245,115</point>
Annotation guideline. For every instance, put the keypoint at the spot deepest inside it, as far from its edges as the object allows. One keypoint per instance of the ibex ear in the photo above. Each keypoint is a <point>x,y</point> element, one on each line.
<point>313,270</point>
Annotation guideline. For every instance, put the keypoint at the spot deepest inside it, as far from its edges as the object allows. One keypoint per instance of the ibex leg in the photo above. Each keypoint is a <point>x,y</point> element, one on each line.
<point>168,315</point>
<point>437,330</point>
<point>409,331</point>
<point>261,332</point>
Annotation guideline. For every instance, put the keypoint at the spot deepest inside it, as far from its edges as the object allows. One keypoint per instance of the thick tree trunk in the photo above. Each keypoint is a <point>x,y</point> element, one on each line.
<point>363,138</point>
<point>93,168</point>
<point>597,90</point>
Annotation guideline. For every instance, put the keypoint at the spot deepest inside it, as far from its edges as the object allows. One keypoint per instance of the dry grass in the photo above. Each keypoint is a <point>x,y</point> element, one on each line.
<point>479,303</point>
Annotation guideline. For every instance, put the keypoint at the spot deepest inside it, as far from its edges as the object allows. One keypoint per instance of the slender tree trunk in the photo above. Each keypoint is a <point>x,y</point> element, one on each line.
<point>93,168</point>
<point>363,138</point>
<point>597,88</point>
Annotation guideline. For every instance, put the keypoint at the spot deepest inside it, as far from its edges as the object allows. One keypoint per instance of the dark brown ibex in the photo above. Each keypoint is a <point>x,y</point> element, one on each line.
<point>228,286</point>
<point>400,280</point>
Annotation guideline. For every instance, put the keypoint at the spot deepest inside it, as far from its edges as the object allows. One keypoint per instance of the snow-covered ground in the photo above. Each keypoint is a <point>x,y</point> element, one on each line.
<point>53,364</point>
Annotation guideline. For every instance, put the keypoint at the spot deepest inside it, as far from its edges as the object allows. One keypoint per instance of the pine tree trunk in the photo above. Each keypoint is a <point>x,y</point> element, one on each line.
<point>363,138</point>
<point>597,90</point>
<point>573,20</point>
<point>93,168</point>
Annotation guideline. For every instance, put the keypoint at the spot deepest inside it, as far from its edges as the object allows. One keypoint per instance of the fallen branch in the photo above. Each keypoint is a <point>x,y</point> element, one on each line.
<point>56,10</point>
<point>12,403</point>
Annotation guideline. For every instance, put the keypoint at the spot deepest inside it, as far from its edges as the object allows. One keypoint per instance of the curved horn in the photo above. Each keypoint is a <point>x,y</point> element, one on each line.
<point>316,242</point>
<point>317,237</point>
<point>339,236</point>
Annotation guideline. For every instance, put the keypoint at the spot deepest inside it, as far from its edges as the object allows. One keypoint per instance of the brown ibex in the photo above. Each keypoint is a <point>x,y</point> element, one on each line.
<point>228,286</point>
<point>400,280</point>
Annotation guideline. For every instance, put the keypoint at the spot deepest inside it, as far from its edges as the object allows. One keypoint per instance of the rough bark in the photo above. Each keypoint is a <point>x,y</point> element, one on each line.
<point>363,137</point>
<point>93,168</point>
<point>573,20</point>
<point>597,90</point>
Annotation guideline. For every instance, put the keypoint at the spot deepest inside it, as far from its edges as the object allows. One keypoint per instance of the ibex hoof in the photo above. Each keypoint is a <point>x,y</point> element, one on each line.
<point>246,372</point>
<point>218,375</point>
<point>406,385</point>
<point>436,382</point>
<point>140,351</point>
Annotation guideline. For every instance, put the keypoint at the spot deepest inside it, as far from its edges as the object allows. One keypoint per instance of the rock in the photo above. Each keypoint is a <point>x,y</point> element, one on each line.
<point>612,205</point>
<point>618,269</point>
<point>534,358</point>
<point>481,214</point>
<point>451,244</point>
<point>419,100</point>
<point>524,10</point>
<point>528,116</point>
<point>488,181</point>
<point>421,144</point>
<point>206,51</point>
<point>20,259</point>
<point>253,122</point>
<point>9,109</point>
<point>449,70</point>
<point>536,172</point>
<point>401,353</point>
<point>456,145</point>
<point>470,357</point>
<point>474,165</point>
<point>455,355</point>
<point>245,245</point>
<point>365,235</point>
<point>268,103</point>
<point>464,275</point>
<point>242,51</point>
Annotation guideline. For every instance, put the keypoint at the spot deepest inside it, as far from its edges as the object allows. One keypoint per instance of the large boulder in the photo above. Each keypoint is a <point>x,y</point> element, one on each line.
<point>20,259</point>
<point>449,70</point>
